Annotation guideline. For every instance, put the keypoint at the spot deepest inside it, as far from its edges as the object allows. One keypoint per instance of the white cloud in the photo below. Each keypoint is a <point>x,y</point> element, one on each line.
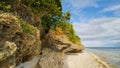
<point>99,32</point>
<point>111,8</point>
<point>77,6</point>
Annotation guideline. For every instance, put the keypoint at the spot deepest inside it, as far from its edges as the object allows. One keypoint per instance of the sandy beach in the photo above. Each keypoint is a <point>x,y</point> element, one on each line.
<point>73,60</point>
<point>84,60</point>
<point>29,64</point>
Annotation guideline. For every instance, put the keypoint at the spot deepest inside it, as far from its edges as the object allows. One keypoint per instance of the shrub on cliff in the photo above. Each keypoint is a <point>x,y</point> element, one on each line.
<point>4,7</point>
<point>51,15</point>
<point>67,29</point>
<point>27,28</point>
<point>45,7</point>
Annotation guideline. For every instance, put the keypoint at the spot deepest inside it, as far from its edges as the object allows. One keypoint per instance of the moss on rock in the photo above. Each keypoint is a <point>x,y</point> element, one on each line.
<point>27,28</point>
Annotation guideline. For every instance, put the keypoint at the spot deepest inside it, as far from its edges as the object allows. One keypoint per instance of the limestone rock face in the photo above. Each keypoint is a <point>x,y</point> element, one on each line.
<point>9,25</point>
<point>18,46</point>
<point>28,45</point>
<point>25,12</point>
<point>7,55</point>
<point>54,48</point>
<point>61,43</point>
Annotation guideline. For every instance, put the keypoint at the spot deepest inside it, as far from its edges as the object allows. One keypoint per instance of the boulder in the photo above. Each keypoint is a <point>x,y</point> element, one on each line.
<point>50,59</point>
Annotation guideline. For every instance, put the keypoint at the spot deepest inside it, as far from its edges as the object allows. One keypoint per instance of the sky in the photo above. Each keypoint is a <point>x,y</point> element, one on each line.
<point>96,22</point>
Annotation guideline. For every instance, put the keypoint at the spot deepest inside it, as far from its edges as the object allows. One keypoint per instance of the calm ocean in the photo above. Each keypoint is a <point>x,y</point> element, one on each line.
<point>109,54</point>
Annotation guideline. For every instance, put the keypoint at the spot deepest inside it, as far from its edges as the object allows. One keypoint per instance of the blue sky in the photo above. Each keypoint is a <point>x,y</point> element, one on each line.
<point>96,22</point>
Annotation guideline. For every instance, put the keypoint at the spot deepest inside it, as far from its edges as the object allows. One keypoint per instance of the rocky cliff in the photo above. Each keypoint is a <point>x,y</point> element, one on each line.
<point>11,30</point>
<point>22,36</point>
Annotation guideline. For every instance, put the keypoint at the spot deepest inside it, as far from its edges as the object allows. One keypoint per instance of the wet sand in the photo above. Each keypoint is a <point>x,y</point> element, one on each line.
<point>83,60</point>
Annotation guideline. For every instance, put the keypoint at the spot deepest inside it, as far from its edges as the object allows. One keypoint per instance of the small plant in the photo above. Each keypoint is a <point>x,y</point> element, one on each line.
<point>59,31</point>
<point>67,29</point>
<point>27,28</point>
<point>4,7</point>
<point>44,24</point>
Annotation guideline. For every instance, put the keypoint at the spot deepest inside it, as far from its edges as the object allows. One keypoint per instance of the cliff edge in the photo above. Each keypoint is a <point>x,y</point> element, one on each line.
<point>32,28</point>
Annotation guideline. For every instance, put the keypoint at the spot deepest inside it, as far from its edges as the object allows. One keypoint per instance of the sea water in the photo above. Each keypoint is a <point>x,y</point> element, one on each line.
<point>109,54</point>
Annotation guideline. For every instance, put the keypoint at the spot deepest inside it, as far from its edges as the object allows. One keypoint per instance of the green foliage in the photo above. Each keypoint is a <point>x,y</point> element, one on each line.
<point>71,34</point>
<point>53,16</point>
<point>67,29</point>
<point>47,7</point>
<point>28,2</point>
<point>50,12</point>
<point>62,23</point>
<point>44,24</point>
<point>27,28</point>
<point>67,15</point>
<point>4,7</point>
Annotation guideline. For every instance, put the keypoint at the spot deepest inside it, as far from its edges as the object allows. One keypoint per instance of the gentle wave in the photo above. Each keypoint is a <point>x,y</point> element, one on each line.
<point>110,55</point>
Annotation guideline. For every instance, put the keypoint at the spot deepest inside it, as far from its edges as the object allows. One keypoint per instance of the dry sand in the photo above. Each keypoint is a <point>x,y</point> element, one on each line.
<point>73,60</point>
<point>84,60</point>
<point>29,64</point>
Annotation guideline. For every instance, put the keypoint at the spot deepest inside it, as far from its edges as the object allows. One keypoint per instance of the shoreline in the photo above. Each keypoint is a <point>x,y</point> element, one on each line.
<point>84,59</point>
<point>99,60</point>
<point>108,55</point>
